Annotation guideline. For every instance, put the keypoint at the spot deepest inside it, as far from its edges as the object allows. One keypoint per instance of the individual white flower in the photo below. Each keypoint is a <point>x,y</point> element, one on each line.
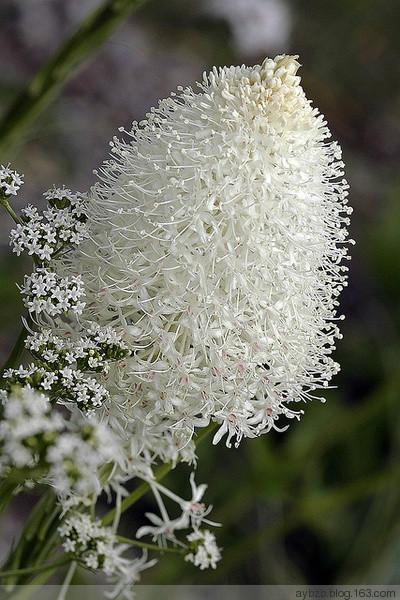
<point>204,551</point>
<point>216,237</point>
<point>10,181</point>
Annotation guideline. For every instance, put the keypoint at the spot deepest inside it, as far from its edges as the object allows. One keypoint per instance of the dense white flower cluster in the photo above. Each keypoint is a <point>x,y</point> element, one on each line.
<point>10,181</point>
<point>91,351</point>
<point>216,241</point>
<point>44,235</point>
<point>65,385</point>
<point>204,552</point>
<point>97,548</point>
<point>68,454</point>
<point>46,292</point>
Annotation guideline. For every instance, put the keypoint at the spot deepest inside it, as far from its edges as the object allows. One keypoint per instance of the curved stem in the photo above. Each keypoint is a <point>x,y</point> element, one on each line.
<point>68,578</point>
<point>146,546</point>
<point>6,205</point>
<point>138,493</point>
<point>91,33</point>
<point>17,350</point>
<point>36,568</point>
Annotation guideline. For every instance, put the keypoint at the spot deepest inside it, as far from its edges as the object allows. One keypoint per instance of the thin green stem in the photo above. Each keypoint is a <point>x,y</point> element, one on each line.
<point>6,205</point>
<point>91,33</point>
<point>18,349</point>
<point>36,568</point>
<point>146,546</point>
<point>138,493</point>
<point>67,581</point>
<point>14,479</point>
<point>25,591</point>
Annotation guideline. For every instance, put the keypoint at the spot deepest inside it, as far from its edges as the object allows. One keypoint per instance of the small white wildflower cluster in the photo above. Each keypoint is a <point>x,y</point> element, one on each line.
<point>204,552</point>
<point>96,548</point>
<point>46,292</point>
<point>62,363</point>
<point>10,181</point>
<point>44,235</point>
<point>215,241</point>
<point>92,351</point>
<point>68,454</point>
<point>64,385</point>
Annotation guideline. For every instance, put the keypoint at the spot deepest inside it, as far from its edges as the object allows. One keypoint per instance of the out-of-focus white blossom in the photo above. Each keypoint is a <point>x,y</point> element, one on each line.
<point>10,181</point>
<point>97,548</point>
<point>69,454</point>
<point>216,241</point>
<point>77,457</point>
<point>27,427</point>
<point>204,552</point>
<point>257,26</point>
<point>45,292</point>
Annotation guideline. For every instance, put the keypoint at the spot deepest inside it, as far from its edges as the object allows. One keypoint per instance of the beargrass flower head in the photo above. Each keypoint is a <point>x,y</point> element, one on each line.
<point>217,235</point>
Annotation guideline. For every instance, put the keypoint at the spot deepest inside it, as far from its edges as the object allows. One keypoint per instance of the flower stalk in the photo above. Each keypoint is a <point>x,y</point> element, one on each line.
<point>89,36</point>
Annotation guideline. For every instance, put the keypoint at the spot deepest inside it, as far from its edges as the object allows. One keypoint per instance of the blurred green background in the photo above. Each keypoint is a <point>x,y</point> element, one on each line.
<point>320,503</point>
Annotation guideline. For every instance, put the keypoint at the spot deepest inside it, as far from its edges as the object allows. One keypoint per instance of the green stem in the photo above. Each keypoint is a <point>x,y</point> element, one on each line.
<point>21,554</point>
<point>51,543</point>
<point>160,473</point>
<point>18,349</point>
<point>36,568</point>
<point>91,33</point>
<point>14,479</point>
<point>67,581</point>
<point>138,493</point>
<point>5,204</point>
<point>7,488</point>
<point>25,591</point>
<point>146,546</point>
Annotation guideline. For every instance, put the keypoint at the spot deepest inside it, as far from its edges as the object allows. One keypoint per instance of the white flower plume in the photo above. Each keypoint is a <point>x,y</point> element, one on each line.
<point>216,237</point>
